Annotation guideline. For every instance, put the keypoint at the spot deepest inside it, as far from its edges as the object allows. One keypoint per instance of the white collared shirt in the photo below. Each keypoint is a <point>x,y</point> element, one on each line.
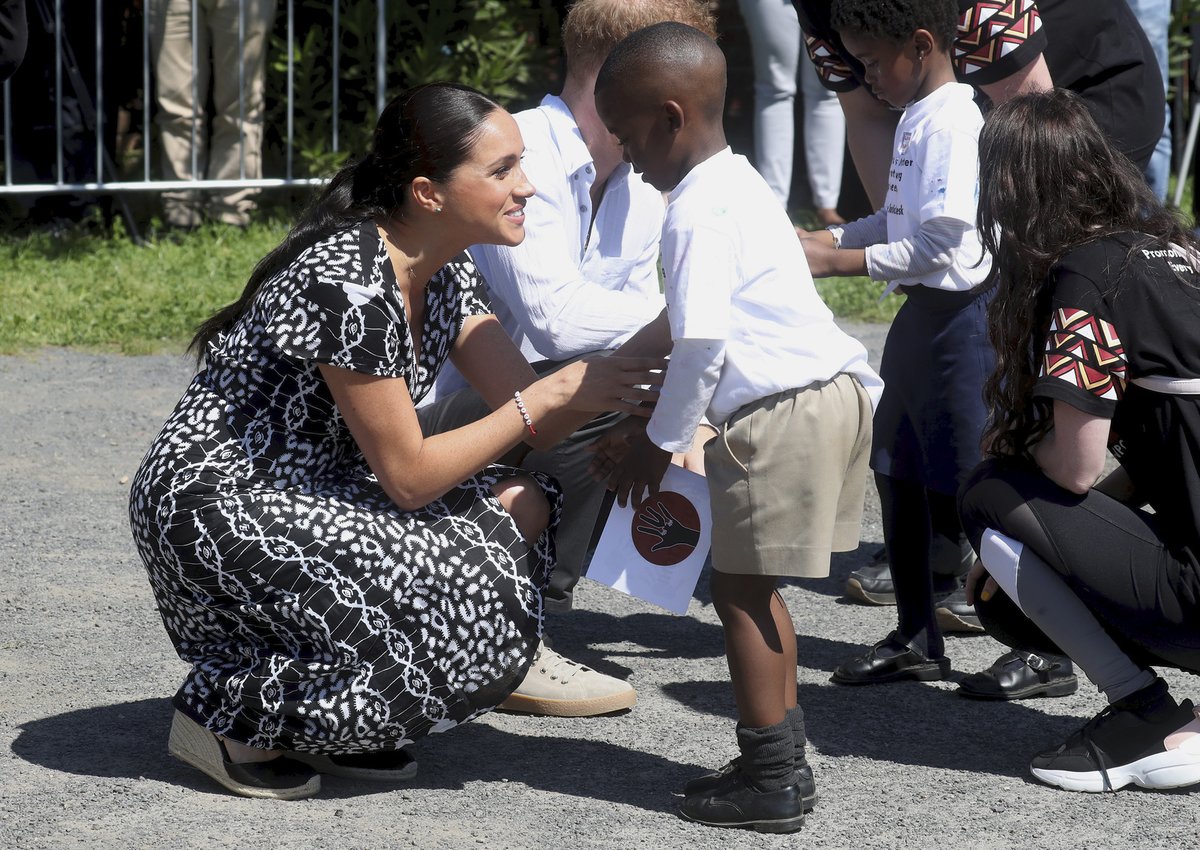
<point>575,285</point>
<point>738,284</point>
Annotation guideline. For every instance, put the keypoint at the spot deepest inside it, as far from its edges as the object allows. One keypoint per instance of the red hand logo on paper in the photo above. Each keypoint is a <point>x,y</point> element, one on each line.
<point>665,529</point>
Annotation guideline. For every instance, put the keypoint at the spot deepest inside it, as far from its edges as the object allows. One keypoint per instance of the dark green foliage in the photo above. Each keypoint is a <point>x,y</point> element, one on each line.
<point>506,48</point>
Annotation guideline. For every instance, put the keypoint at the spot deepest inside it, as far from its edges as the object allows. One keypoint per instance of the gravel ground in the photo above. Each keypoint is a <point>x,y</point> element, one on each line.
<point>86,673</point>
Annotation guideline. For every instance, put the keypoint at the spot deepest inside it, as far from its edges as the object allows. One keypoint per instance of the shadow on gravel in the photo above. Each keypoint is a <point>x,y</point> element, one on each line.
<point>579,767</point>
<point>661,635</point>
<point>909,723</point>
<point>129,741</point>
<point>841,564</point>
<point>655,635</point>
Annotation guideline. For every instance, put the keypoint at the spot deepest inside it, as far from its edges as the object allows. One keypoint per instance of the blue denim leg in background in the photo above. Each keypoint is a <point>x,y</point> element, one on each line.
<point>775,41</point>
<point>1155,18</point>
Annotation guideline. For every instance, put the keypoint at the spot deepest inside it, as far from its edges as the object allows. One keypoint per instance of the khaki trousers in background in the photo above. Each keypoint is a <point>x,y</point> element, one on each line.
<point>229,146</point>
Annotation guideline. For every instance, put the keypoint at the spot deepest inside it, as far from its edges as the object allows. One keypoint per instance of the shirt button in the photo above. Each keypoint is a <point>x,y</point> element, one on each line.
<point>574,176</point>
<point>588,169</point>
<point>583,207</point>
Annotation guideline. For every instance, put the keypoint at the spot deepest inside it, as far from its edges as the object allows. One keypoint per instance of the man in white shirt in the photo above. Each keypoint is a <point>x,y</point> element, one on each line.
<point>585,279</point>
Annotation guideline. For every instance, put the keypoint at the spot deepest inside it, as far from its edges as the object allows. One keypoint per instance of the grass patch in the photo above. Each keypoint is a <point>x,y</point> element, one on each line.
<point>857,299</point>
<point>853,298</point>
<point>103,292</point>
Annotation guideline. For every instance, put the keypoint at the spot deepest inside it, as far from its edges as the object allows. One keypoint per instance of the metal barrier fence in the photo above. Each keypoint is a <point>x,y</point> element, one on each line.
<point>92,106</point>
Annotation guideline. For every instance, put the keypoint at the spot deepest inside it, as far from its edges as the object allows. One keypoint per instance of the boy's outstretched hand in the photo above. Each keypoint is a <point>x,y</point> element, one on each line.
<point>611,447</point>
<point>640,468</point>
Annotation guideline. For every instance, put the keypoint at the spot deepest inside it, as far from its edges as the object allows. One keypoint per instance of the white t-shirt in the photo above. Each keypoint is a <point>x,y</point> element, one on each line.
<point>933,182</point>
<point>738,284</point>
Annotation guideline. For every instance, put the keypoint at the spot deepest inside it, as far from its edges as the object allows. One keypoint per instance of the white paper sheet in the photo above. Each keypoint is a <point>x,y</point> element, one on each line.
<point>657,551</point>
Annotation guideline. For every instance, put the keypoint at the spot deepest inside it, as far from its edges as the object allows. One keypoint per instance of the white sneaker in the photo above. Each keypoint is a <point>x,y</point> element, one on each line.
<point>1118,747</point>
<point>559,687</point>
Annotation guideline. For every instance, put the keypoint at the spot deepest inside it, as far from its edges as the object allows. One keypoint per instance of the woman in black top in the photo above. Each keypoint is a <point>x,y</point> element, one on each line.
<point>1096,325</point>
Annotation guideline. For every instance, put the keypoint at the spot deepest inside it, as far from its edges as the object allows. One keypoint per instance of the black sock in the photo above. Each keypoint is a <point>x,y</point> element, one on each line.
<point>795,717</point>
<point>1153,702</point>
<point>768,759</point>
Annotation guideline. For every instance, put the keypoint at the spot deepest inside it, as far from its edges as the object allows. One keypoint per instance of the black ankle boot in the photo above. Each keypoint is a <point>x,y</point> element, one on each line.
<point>761,792</point>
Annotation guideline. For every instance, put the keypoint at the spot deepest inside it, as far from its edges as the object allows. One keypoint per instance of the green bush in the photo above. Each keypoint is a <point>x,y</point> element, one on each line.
<point>506,48</point>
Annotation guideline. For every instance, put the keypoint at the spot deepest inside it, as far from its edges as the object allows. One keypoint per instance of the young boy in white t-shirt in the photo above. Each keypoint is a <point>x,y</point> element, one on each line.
<point>756,348</point>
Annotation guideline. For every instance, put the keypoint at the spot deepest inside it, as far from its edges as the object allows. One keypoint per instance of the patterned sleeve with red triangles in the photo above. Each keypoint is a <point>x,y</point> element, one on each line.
<point>1083,362</point>
<point>996,38</point>
<point>833,70</point>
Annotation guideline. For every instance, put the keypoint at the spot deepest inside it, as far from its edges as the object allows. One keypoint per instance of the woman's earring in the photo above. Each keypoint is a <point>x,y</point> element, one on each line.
<point>437,209</point>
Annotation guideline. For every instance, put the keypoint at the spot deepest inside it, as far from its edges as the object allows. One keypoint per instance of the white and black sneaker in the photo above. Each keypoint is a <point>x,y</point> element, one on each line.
<point>1145,739</point>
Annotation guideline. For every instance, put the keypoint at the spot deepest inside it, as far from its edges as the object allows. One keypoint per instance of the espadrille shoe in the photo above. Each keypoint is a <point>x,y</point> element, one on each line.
<point>278,779</point>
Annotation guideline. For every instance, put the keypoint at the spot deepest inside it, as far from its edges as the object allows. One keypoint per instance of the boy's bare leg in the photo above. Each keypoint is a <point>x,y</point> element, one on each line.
<point>758,654</point>
<point>787,637</point>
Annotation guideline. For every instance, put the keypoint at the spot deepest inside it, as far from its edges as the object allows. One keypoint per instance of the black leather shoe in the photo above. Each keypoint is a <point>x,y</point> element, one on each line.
<point>808,785</point>
<point>1021,675</point>
<point>378,766</point>
<point>735,802</point>
<point>955,614</point>
<point>891,660</point>
<point>872,584</point>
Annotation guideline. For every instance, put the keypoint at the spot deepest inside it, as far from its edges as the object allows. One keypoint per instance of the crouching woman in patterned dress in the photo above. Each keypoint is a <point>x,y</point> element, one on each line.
<point>341,584</point>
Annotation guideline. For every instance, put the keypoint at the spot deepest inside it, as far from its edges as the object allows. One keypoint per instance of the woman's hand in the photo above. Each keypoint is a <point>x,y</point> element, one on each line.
<point>641,469</point>
<point>597,384</point>
<point>978,571</point>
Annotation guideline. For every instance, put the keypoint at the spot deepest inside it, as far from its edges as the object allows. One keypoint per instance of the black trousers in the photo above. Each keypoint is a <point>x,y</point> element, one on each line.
<point>1146,596</point>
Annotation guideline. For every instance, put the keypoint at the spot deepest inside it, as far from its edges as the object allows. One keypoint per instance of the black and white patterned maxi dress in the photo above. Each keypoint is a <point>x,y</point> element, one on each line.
<point>316,614</point>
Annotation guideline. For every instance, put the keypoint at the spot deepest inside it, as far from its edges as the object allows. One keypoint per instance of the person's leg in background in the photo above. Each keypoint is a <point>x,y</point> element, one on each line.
<point>824,144</point>
<point>237,127</point>
<point>172,52</point>
<point>775,42</point>
<point>1155,18</point>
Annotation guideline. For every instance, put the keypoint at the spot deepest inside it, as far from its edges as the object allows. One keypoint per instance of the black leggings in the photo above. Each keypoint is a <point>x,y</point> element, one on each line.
<point>1110,554</point>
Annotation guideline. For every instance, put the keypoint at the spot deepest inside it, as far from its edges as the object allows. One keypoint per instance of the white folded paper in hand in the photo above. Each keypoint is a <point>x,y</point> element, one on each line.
<point>657,550</point>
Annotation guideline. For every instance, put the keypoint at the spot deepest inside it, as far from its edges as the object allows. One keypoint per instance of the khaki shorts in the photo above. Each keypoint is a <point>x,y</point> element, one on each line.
<point>787,477</point>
